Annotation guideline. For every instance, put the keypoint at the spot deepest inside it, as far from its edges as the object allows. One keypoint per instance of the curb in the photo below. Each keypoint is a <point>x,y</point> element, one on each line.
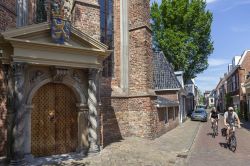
<point>185,154</point>
<point>194,136</point>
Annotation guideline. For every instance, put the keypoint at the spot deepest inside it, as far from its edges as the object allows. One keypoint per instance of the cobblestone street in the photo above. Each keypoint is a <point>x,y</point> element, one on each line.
<point>162,151</point>
<point>209,151</point>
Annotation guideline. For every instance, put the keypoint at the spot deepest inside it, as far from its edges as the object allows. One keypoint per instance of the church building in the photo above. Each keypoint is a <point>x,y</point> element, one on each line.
<point>76,75</point>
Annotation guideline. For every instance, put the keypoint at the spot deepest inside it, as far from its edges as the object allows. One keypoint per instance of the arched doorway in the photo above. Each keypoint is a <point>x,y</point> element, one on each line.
<point>53,120</point>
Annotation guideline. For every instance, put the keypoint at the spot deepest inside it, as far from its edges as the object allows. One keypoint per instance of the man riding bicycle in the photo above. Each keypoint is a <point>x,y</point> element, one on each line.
<point>214,117</point>
<point>229,120</point>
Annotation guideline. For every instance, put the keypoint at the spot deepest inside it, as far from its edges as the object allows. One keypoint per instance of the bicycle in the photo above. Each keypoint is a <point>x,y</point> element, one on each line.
<point>232,142</point>
<point>215,128</point>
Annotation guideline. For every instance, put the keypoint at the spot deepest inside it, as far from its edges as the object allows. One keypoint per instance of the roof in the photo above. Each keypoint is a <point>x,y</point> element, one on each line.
<point>163,102</point>
<point>163,74</point>
<point>239,64</point>
<point>243,57</point>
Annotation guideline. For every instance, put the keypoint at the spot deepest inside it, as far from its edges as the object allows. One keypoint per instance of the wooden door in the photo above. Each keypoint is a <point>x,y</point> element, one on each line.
<point>53,121</point>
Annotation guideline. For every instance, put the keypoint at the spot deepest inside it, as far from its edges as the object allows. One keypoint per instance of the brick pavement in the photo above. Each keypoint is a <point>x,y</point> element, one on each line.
<point>134,151</point>
<point>208,151</point>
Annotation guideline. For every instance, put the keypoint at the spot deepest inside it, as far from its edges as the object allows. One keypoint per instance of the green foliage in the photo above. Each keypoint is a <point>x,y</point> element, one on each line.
<point>228,100</point>
<point>239,113</point>
<point>181,29</point>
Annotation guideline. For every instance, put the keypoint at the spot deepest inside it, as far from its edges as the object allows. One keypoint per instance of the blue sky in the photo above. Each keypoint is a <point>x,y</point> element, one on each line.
<point>231,36</point>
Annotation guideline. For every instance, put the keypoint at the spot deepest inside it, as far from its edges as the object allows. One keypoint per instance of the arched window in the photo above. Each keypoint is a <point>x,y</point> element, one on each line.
<point>41,13</point>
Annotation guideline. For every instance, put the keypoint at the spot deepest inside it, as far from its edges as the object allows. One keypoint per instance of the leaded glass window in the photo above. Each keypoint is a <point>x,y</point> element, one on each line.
<point>107,37</point>
<point>41,14</point>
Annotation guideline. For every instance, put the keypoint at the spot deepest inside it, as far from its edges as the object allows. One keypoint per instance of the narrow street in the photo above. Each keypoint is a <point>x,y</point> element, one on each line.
<point>209,151</point>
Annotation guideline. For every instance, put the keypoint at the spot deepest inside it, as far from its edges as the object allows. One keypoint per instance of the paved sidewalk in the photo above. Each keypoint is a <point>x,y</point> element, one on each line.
<point>163,151</point>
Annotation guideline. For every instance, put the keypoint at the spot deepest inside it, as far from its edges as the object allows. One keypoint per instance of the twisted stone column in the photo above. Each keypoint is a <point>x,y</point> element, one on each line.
<point>93,118</point>
<point>17,115</point>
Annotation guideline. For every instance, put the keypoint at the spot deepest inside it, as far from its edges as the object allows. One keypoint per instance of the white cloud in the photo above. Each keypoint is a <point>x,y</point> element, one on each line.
<point>233,4</point>
<point>240,29</point>
<point>211,1</point>
<point>217,62</point>
<point>206,78</point>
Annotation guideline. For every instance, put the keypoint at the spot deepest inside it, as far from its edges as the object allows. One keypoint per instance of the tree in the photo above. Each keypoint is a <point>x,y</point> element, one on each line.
<point>181,29</point>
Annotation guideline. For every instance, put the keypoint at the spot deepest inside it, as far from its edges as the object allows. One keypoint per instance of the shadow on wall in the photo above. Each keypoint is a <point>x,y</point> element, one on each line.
<point>110,130</point>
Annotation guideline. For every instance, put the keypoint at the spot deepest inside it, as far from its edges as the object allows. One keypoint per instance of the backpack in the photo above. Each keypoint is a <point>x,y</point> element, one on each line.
<point>224,132</point>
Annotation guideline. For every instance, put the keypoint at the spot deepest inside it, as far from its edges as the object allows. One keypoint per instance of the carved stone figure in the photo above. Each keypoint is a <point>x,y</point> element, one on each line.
<point>61,20</point>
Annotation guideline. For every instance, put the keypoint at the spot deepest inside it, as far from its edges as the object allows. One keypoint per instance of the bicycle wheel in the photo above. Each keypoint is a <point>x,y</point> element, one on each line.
<point>214,131</point>
<point>233,143</point>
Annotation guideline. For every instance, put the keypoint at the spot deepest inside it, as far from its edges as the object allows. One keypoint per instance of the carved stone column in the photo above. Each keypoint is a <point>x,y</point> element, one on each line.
<point>93,116</point>
<point>83,143</point>
<point>17,114</point>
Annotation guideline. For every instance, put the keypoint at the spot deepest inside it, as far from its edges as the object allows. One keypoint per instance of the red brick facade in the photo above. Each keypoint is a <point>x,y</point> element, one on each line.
<point>235,80</point>
<point>122,114</point>
<point>3,115</point>
<point>86,17</point>
<point>7,20</point>
<point>7,14</point>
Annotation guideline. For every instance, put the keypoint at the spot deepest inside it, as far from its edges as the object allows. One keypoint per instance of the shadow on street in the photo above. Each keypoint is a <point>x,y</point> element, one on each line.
<point>246,125</point>
<point>224,145</point>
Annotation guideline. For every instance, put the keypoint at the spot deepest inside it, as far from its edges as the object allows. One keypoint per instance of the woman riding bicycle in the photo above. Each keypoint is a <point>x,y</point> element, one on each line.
<point>214,117</point>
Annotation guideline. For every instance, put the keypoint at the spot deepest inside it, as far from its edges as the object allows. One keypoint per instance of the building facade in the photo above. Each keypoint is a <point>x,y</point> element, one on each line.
<point>231,89</point>
<point>63,90</point>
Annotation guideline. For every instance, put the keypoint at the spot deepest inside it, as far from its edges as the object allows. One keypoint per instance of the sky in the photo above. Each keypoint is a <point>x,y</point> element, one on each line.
<point>231,37</point>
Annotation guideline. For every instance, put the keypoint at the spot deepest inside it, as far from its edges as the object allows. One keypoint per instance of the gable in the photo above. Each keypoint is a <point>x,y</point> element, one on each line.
<point>40,33</point>
<point>32,44</point>
<point>163,74</point>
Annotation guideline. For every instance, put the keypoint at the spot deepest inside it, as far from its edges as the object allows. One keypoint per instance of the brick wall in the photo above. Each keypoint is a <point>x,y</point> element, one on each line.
<point>171,95</point>
<point>140,61</point>
<point>3,114</point>
<point>7,20</point>
<point>133,113</point>
<point>246,63</point>
<point>117,43</point>
<point>86,17</point>
<point>7,14</point>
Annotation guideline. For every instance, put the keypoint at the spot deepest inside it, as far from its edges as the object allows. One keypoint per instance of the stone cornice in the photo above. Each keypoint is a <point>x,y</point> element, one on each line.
<point>94,5</point>
<point>38,28</point>
<point>50,62</point>
<point>26,30</point>
<point>141,27</point>
<point>59,48</point>
<point>89,39</point>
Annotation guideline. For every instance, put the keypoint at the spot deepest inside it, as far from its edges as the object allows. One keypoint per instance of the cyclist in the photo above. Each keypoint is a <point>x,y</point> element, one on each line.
<point>214,116</point>
<point>229,119</point>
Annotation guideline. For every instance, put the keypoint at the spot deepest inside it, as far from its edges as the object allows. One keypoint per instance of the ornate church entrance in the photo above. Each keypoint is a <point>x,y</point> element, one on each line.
<point>53,120</point>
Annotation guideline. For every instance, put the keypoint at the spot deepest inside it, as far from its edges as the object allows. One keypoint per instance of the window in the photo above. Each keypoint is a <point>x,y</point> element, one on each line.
<point>171,113</point>
<point>166,115</point>
<point>106,13</point>
<point>41,14</point>
<point>212,100</point>
<point>176,112</point>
